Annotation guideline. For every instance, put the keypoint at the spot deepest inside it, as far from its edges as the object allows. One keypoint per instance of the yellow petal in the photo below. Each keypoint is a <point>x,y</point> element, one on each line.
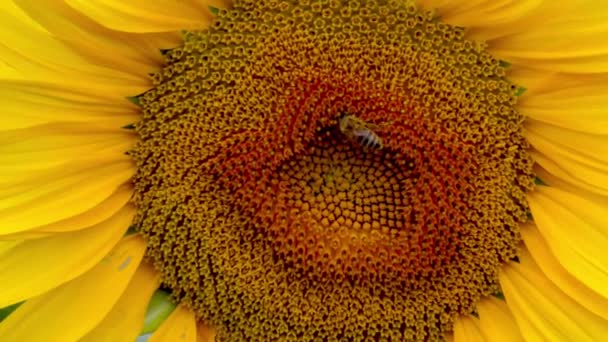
<point>126,319</point>
<point>576,103</point>
<point>576,231</point>
<point>35,266</point>
<point>130,52</point>
<point>564,184</point>
<point>589,178</point>
<point>555,272</point>
<point>26,103</point>
<point>486,18</point>
<point>99,213</point>
<point>450,9</point>
<point>586,166</point>
<point>553,173</point>
<point>585,148</point>
<point>70,311</point>
<point>163,40</point>
<point>58,62</point>
<point>10,8</point>
<point>542,311</point>
<point>581,154</point>
<point>14,20</point>
<point>496,321</point>
<point>62,193</point>
<point>466,328</point>
<point>48,145</point>
<point>533,80</point>
<point>566,36</point>
<point>147,15</point>
<point>179,326</point>
<point>484,13</point>
<point>7,245</point>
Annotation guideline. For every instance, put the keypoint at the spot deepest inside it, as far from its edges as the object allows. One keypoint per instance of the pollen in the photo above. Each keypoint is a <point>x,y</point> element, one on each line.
<point>268,222</point>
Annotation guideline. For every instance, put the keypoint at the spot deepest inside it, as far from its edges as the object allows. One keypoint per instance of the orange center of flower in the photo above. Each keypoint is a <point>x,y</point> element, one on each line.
<point>334,209</point>
<point>271,221</point>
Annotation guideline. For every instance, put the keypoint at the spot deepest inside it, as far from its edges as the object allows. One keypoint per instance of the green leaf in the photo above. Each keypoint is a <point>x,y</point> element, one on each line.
<point>159,309</point>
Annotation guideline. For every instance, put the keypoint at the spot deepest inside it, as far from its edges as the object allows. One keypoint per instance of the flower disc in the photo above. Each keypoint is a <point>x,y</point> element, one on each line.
<point>272,223</point>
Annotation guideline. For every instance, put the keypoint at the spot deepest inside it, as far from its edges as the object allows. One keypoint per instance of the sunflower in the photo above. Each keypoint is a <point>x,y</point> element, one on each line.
<point>381,170</point>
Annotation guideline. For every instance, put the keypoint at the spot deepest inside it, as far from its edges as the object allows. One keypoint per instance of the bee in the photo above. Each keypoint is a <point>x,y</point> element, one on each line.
<point>360,131</point>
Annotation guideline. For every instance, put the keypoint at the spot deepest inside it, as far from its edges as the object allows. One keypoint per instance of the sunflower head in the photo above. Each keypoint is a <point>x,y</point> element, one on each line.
<point>267,220</point>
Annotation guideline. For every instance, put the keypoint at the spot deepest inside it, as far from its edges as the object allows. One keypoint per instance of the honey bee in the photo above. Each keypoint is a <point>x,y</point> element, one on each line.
<point>360,131</point>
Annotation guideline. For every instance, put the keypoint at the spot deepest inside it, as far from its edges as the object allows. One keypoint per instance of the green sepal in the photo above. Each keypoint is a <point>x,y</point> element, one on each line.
<point>134,100</point>
<point>214,10</point>
<point>499,295</point>
<point>504,64</point>
<point>5,311</point>
<point>132,230</point>
<point>159,309</point>
<point>143,338</point>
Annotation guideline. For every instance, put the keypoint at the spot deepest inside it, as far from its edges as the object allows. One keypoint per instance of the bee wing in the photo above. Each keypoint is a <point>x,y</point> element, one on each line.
<point>370,140</point>
<point>375,142</point>
<point>366,137</point>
